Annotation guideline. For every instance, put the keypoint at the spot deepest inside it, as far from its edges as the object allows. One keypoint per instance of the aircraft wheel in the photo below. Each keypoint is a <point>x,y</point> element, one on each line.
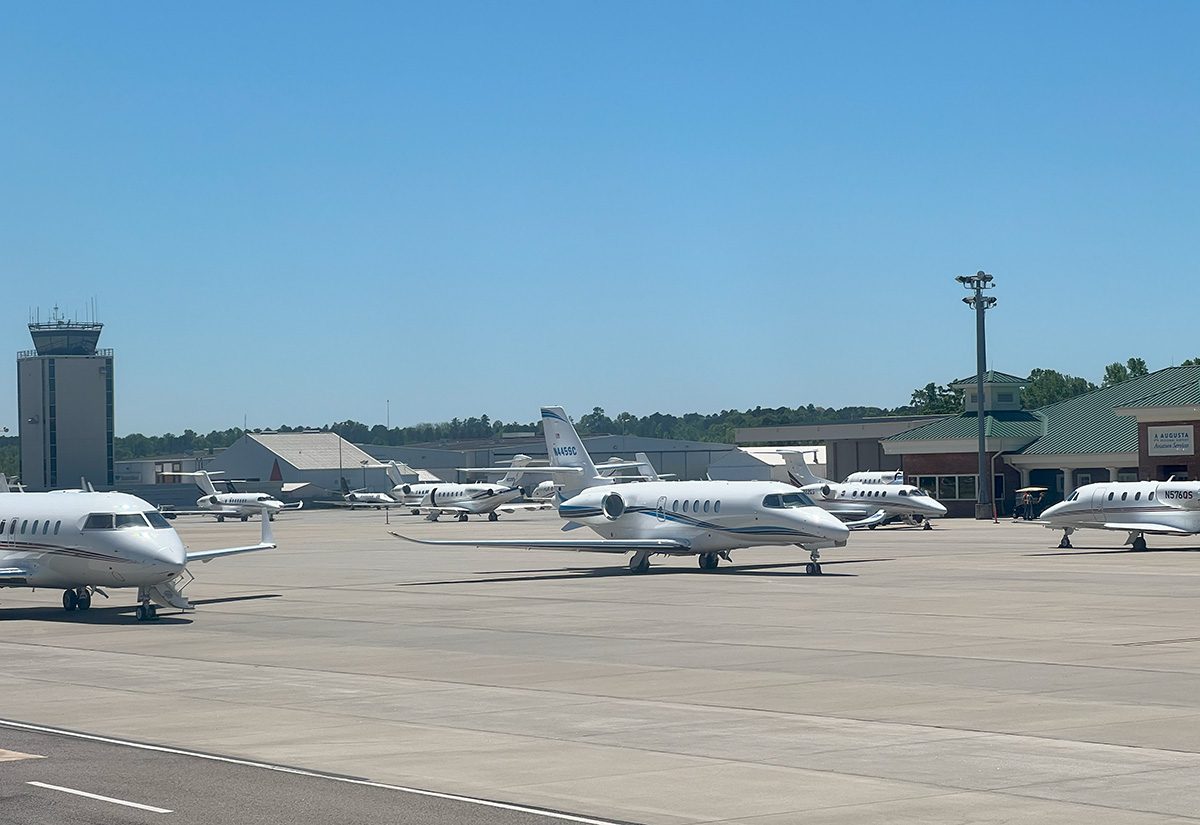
<point>1065,544</point>
<point>819,570</point>
<point>70,600</point>
<point>221,519</point>
<point>1139,543</point>
<point>810,569</point>
<point>142,613</point>
<point>271,517</point>
<point>493,516</point>
<point>462,516</point>
<point>416,512</point>
<point>928,525</point>
<point>245,518</point>
<point>85,600</point>
<point>872,526</point>
<point>639,563</point>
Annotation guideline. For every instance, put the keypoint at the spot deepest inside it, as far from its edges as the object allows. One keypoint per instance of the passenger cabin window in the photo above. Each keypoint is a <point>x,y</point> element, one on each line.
<point>706,506</point>
<point>1151,496</point>
<point>717,506</point>
<point>696,506</point>
<point>685,507</point>
<point>99,521</point>
<point>1110,496</point>
<point>24,524</point>
<point>57,525</point>
<point>35,524</point>
<point>45,527</point>
<point>675,506</point>
<point>1124,496</point>
<point>1137,496</point>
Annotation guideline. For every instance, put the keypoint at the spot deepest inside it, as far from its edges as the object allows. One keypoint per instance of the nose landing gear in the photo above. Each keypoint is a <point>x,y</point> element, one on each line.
<point>146,611</point>
<point>813,568</point>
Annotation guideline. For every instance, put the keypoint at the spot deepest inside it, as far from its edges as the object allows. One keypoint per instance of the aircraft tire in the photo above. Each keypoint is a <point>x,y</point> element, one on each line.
<point>493,516</point>
<point>221,519</point>
<point>85,600</point>
<point>70,600</point>
<point>142,613</point>
<point>462,516</point>
<point>810,569</point>
<point>245,518</point>
<point>1139,544</point>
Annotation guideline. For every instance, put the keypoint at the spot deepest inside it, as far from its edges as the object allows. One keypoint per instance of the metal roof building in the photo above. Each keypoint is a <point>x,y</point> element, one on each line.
<point>1097,436</point>
<point>321,459</point>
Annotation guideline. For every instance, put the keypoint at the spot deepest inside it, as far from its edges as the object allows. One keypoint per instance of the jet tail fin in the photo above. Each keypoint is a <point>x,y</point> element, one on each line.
<point>511,478</point>
<point>566,449</point>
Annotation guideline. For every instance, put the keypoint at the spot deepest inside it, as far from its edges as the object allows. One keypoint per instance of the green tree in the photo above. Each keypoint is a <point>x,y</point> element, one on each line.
<point>1116,372</point>
<point>934,398</point>
<point>1051,386</point>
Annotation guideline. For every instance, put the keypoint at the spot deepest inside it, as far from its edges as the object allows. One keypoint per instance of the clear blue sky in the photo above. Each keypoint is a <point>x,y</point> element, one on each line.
<point>297,211</point>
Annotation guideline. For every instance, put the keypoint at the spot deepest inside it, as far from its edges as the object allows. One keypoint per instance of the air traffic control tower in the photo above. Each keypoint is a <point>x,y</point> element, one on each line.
<point>65,404</point>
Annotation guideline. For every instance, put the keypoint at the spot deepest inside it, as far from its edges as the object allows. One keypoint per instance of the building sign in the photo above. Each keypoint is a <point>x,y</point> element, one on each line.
<point>1173,440</point>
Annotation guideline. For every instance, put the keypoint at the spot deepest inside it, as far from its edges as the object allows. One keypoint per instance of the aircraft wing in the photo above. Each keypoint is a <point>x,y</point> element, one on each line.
<point>526,505</point>
<point>875,518</point>
<point>528,469</point>
<point>666,546</point>
<point>364,505</point>
<point>266,542</point>
<point>1144,527</point>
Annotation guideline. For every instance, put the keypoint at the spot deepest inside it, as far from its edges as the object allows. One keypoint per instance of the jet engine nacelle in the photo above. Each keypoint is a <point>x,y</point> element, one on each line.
<point>212,500</point>
<point>406,489</point>
<point>823,490</point>
<point>613,506</point>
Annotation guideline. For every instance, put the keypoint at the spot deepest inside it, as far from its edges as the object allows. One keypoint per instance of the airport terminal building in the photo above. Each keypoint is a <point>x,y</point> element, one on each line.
<point>1139,429</point>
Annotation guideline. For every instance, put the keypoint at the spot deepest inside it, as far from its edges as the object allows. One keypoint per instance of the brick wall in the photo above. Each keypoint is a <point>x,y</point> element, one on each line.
<point>1154,467</point>
<point>963,464</point>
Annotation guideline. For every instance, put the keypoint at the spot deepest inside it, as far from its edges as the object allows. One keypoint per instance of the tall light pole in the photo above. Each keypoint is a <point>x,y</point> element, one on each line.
<point>977,283</point>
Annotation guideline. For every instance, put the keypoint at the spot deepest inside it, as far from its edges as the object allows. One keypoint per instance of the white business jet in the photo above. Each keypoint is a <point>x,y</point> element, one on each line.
<point>363,499</point>
<point>1168,508</point>
<point>465,500</point>
<point>869,499</point>
<point>233,504</point>
<point>706,519</point>
<point>85,542</point>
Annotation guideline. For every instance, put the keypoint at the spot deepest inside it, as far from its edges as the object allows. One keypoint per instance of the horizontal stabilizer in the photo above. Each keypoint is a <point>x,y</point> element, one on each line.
<point>528,469</point>
<point>877,517</point>
<point>667,546</point>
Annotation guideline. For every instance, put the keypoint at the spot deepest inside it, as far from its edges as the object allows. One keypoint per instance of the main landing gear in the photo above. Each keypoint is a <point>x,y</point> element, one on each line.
<point>462,516</point>
<point>639,563</point>
<point>78,599</point>
<point>1138,542</point>
<point>813,568</point>
<point>493,516</point>
<point>708,561</point>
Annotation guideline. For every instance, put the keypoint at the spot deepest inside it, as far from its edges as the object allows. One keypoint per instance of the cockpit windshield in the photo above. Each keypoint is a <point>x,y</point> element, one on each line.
<point>780,501</point>
<point>118,521</point>
<point>157,521</point>
<point>125,521</point>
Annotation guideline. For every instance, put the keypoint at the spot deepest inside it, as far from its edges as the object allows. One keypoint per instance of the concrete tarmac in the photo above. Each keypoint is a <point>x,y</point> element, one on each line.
<point>972,673</point>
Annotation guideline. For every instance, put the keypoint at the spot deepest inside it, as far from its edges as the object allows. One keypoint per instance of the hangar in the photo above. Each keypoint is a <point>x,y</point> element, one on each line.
<point>685,459</point>
<point>320,459</point>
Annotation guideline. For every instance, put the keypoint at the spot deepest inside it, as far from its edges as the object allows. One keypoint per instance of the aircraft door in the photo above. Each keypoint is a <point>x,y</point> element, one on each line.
<point>1099,495</point>
<point>661,511</point>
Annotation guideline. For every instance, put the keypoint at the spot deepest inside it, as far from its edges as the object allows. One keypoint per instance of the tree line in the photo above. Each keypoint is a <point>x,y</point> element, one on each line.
<point>1046,386</point>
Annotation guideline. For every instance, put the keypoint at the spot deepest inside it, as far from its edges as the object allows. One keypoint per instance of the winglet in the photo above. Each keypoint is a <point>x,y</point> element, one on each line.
<point>268,536</point>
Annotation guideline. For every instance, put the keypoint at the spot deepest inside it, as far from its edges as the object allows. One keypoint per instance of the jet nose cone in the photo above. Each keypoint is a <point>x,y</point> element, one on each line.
<point>1053,510</point>
<point>938,508</point>
<point>829,526</point>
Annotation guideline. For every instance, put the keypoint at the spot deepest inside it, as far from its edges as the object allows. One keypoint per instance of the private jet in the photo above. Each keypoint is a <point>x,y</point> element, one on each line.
<point>869,499</point>
<point>464,500</point>
<point>706,519</point>
<point>1138,508</point>
<point>87,542</point>
<point>362,499</point>
<point>232,504</point>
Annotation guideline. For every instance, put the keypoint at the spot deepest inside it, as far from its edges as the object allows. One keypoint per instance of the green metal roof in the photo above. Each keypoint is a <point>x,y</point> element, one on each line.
<point>1089,423</point>
<point>1085,424</point>
<point>1018,424</point>
<point>1186,396</point>
<point>992,377</point>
